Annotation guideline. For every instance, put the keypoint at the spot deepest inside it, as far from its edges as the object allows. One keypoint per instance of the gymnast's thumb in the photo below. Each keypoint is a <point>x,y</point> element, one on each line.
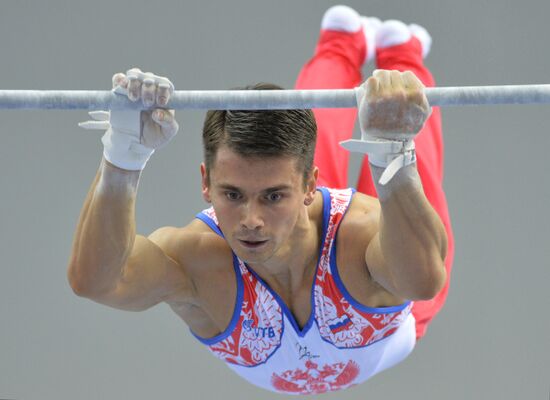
<point>166,120</point>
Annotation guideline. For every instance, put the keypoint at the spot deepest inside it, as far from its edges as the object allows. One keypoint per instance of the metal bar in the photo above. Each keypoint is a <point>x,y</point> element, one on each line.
<point>265,99</point>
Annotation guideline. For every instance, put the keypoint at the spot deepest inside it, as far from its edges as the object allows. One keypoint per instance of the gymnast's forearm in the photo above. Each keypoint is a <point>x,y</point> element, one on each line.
<point>411,236</point>
<point>105,233</point>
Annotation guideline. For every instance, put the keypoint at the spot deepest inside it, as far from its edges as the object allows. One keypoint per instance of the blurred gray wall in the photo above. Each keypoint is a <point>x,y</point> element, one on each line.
<point>492,338</point>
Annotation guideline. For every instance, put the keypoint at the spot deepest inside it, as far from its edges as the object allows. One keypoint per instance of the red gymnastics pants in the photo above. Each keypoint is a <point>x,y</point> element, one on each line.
<point>336,64</point>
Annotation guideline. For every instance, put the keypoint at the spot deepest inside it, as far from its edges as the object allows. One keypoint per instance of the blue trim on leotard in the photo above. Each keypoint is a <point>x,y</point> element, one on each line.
<point>210,222</point>
<point>342,288</point>
<point>240,291</point>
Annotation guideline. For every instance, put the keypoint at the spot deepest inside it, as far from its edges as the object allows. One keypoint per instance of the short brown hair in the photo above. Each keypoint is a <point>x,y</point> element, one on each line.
<point>261,133</point>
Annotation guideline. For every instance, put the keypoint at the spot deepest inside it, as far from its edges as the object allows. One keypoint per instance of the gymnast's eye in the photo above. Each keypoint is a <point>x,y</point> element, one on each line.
<point>233,196</point>
<point>274,197</point>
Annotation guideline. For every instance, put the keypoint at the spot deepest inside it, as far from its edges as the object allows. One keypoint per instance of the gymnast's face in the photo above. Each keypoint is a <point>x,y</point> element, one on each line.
<point>258,201</point>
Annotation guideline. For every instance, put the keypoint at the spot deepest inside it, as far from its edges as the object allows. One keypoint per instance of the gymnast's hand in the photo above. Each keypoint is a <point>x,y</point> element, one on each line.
<point>394,106</point>
<point>132,136</point>
<point>392,109</point>
<point>158,125</point>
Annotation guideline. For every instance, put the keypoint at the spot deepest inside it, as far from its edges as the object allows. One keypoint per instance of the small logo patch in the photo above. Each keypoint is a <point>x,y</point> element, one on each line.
<point>258,331</point>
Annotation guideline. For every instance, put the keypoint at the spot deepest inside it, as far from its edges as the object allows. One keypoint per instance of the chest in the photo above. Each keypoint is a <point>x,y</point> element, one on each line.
<point>322,315</point>
<point>296,299</point>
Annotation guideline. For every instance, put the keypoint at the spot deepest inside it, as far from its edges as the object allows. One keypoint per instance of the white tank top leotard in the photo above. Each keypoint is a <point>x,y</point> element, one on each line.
<point>342,344</point>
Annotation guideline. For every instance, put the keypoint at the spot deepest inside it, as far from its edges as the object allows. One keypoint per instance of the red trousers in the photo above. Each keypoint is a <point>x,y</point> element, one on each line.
<point>336,64</point>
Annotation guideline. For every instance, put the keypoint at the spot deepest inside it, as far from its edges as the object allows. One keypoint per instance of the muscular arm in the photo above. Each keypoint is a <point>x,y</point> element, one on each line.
<point>407,254</point>
<point>105,233</point>
<point>109,262</point>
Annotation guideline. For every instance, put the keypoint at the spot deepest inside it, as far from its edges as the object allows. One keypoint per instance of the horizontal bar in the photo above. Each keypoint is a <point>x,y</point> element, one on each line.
<point>265,99</point>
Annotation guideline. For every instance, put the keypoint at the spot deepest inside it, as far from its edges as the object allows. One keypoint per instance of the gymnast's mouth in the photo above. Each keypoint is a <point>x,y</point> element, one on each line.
<point>252,244</point>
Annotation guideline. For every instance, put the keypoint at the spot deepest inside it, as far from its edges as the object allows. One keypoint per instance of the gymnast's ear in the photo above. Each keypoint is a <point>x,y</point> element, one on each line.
<point>311,186</point>
<point>205,183</point>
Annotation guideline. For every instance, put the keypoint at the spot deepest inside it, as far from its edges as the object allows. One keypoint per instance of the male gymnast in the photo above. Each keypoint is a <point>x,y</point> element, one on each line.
<point>300,285</point>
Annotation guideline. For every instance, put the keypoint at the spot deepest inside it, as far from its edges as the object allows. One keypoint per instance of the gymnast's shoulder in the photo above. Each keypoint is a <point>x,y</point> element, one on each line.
<point>361,220</point>
<point>359,223</point>
<point>194,246</point>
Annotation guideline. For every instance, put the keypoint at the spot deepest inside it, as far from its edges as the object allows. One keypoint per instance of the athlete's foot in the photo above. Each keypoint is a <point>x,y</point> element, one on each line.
<point>342,18</point>
<point>403,47</point>
<point>393,33</point>
<point>423,36</point>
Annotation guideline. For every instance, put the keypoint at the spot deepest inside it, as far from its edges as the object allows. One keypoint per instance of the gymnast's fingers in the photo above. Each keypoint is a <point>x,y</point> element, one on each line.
<point>164,91</point>
<point>148,90</point>
<point>134,84</point>
<point>167,121</point>
<point>396,78</point>
<point>371,86</point>
<point>384,80</point>
<point>415,89</point>
<point>119,80</point>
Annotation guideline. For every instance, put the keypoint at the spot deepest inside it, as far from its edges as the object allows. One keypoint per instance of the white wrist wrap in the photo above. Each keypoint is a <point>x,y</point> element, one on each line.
<point>389,154</point>
<point>124,151</point>
<point>121,142</point>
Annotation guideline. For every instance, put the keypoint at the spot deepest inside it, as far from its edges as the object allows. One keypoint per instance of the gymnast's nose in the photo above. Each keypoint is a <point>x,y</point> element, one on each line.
<point>251,217</point>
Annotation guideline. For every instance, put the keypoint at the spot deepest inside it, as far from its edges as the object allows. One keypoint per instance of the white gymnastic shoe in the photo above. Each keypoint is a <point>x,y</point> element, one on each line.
<point>341,18</point>
<point>393,32</point>
<point>423,36</point>
<point>346,19</point>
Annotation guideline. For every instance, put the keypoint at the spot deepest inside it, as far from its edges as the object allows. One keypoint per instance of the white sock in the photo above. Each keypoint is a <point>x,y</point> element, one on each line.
<point>394,32</point>
<point>423,36</point>
<point>346,19</point>
<point>341,18</point>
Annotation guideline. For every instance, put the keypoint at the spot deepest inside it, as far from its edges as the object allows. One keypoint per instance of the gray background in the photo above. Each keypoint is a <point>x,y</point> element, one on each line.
<point>491,340</point>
